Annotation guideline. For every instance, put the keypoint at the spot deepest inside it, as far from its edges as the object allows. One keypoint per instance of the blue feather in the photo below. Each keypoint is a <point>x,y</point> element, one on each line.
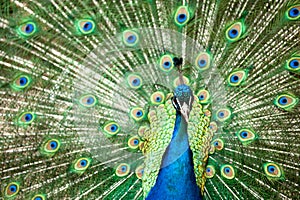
<point>176,178</point>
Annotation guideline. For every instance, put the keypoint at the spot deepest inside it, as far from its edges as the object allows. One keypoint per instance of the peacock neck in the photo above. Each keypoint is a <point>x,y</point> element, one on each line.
<point>176,178</point>
<point>179,143</point>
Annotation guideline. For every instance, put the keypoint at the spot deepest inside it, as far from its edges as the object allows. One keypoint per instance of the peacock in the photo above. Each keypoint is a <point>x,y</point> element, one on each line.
<point>149,99</point>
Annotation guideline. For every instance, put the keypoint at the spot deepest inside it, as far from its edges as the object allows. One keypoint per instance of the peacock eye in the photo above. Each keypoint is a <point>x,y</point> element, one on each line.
<point>210,171</point>
<point>272,170</point>
<point>21,82</point>
<point>218,144</point>
<point>236,78</point>
<point>50,147</point>
<point>137,113</point>
<point>86,26</point>
<point>26,118</point>
<point>286,101</point>
<point>80,165</point>
<point>157,98</point>
<point>235,31</point>
<point>293,13</point>
<point>134,81</point>
<point>39,197</point>
<point>134,142</point>
<point>12,189</point>
<point>182,16</point>
<point>213,126</point>
<point>27,29</point>
<point>130,38</point>
<point>293,64</point>
<point>223,114</point>
<point>139,171</point>
<point>203,61</point>
<point>111,129</point>
<point>246,136</point>
<point>227,171</point>
<point>87,101</point>
<point>203,96</point>
<point>122,170</point>
<point>166,63</point>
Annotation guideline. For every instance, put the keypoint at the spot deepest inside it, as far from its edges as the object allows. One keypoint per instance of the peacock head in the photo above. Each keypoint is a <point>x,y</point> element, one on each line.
<point>183,100</point>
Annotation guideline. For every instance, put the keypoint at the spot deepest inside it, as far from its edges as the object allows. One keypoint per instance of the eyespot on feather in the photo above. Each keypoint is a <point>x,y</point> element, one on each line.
<point>111,128</point>
<point>85,26</point>
<point>130,38</point>
<point>203,96</point>
<point>235,31</point>
<point>218,144</point>
<point>39,197</point>
<point>26,118</point>
<point>286,101</point>
<point>227,171</point>
<point>223,114</point>
<point>210,171</point>
<point>182,16</point>
<point>50,147</point>
<point>246,136</point>
<point>293,13</point>
<point>80,165</point>
<point>122,170</point>
<point>12,189</point>
<point>293,64</point>
<point>141,131</point>
<point>21,82</point>
<point>203,61</point>
<point>134,81</point>
<point>166,63</point>
<point>137,114</point>
<point>139,171</point>
<point>27,29</point>
<point>157,98</point>
<point>213,126</point>
<point>273,170</point>
<point>88,101</point>
<point>237,78</point>
<point>207,113</point>
<point>134,142</point>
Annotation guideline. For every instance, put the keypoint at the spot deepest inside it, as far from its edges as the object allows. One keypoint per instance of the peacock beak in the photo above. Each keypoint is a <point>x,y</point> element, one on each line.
<point>185,111</point>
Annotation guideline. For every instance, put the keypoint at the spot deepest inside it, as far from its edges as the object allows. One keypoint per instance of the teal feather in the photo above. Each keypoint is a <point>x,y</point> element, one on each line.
<point>86,89</point>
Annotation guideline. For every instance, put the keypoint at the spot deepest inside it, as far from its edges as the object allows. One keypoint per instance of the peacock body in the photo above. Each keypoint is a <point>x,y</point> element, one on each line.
<point>149,99</point>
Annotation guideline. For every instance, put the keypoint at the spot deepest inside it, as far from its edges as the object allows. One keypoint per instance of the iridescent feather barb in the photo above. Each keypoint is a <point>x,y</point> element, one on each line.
<point>91,105</point>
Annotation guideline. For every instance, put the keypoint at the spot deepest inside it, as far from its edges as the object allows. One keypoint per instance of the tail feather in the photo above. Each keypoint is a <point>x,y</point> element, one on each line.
<point>76,73</point>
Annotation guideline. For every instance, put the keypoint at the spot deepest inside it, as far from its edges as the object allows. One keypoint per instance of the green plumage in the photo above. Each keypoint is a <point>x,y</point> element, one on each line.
<point>82,84</point>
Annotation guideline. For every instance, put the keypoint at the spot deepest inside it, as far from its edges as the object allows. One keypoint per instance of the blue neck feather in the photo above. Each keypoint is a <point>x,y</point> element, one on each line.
<point>176,178</point>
